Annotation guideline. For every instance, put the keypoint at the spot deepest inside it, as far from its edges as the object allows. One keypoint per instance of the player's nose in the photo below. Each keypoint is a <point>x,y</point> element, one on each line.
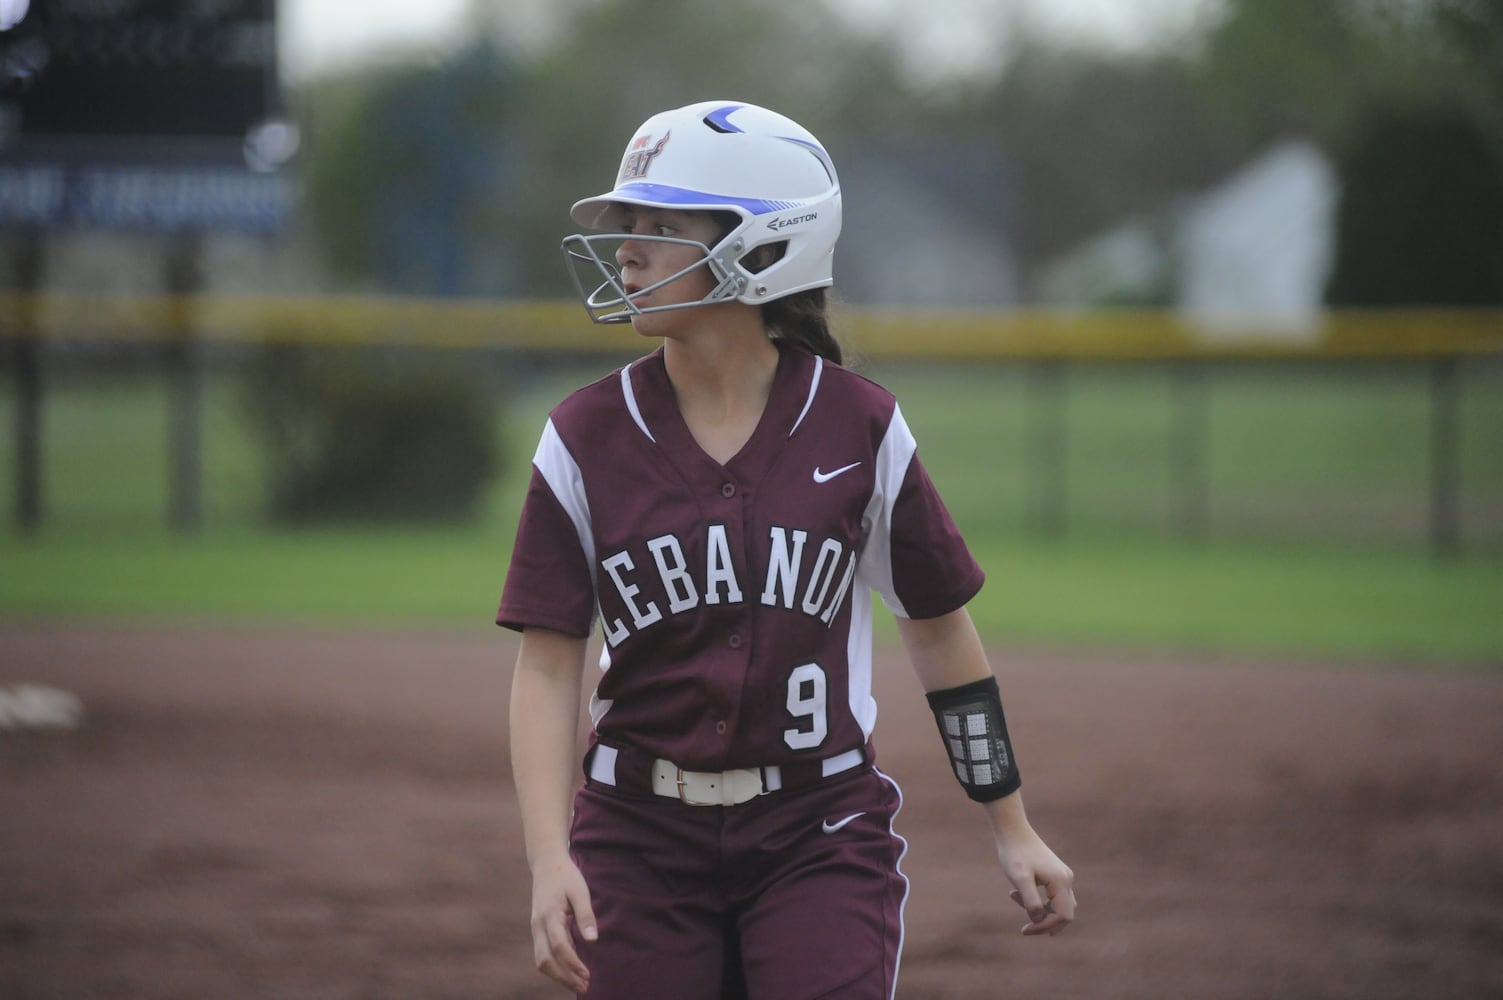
<point>629,253</point>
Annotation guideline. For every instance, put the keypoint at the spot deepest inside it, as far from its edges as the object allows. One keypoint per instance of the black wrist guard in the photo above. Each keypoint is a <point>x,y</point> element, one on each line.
<point>975,734</point>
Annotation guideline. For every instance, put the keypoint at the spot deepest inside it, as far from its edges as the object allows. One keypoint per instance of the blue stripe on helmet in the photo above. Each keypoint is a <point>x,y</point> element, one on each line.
<point>664,194</point>
<point>717,118</point>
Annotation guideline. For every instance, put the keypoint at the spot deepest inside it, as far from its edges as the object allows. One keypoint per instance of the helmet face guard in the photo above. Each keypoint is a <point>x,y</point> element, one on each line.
<point>765,170</point>
<point>608,301</point>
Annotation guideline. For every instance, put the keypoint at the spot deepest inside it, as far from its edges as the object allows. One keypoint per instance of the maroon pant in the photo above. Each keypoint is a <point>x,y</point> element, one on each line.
<point>777,892</point>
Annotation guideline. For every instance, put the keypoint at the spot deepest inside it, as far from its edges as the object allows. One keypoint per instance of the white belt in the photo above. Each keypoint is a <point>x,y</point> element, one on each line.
<point>715,788</point>
<point>709,788</point>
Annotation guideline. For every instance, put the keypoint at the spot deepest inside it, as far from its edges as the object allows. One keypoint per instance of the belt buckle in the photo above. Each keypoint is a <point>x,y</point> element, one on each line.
<point>723,788</point>
<point>683,790</point>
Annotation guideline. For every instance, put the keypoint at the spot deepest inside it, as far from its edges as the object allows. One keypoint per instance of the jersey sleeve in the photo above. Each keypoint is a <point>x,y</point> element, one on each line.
<point>914,556</point>
<point>549,583</point>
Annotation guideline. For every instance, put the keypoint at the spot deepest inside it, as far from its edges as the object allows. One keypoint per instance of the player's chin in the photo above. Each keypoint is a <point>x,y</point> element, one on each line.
<point>646,325</point>
<point>658,324</point>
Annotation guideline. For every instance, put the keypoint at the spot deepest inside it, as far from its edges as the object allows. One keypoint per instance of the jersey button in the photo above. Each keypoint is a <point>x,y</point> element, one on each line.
<point>720,728</point>
<point>735,640</point>
<point>727,490</point>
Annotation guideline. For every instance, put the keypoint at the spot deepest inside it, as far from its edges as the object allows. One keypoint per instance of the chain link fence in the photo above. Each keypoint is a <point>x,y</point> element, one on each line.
<point>1038,423</point>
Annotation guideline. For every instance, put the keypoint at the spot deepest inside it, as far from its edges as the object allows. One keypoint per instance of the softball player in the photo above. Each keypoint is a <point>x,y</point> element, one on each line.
<point>723,508</point>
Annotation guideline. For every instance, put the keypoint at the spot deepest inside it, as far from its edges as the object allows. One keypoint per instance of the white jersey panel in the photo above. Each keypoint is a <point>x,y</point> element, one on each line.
<point>858,651</point>
<point>875,571</point>
<point>558,468</point>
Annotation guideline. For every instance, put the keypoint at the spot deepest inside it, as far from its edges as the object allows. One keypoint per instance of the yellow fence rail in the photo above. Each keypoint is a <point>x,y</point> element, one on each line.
<point>1107,335</point>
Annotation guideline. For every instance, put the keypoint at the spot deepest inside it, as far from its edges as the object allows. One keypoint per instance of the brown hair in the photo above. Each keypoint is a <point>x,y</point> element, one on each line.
<point>803,319</point>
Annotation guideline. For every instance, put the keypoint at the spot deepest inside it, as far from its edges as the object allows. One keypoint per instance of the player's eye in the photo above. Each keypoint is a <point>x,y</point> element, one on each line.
<point>632,226</point>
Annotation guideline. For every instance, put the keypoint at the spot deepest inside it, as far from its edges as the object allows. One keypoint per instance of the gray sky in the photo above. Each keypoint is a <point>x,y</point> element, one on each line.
<point>319,35</point>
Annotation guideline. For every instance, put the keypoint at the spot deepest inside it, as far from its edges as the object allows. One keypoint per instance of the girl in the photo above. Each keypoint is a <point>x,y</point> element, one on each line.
<point>724,508</point>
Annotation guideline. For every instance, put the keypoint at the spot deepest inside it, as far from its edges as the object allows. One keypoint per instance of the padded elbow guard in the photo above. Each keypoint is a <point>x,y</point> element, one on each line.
<point>975,734</point>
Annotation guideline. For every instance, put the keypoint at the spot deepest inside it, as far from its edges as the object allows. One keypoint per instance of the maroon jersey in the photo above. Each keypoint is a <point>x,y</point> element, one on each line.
<point>734,600</point>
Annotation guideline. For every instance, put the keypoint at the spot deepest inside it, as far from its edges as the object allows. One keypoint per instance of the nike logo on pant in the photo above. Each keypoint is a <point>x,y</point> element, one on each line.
<point>825,477</point>
<point>829,827</point>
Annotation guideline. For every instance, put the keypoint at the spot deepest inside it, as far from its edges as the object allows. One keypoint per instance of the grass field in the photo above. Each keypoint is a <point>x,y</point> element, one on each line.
<point>1315,490</point>
<point>1306,453</point>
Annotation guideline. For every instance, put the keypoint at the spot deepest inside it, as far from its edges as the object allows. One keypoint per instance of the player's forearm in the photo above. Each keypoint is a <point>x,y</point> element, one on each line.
<point>544,711</point>
<point>951,664</point>
<point>945,652</point>
<point>1008,818</point>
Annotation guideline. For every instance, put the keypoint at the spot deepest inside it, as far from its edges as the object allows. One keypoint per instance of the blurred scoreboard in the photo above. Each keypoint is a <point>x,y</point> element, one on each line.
<point>155,114</point>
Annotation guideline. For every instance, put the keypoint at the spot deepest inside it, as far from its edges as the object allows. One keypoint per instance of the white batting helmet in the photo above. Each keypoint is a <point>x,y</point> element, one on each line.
<point>719,156</point>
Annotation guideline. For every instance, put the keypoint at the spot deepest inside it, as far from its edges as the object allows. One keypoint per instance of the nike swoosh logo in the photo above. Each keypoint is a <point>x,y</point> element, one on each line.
<point>825,477</point>
<point>829,827</point>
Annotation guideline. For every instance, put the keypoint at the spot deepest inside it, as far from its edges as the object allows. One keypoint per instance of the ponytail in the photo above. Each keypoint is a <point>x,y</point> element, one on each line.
<point>803,319</point>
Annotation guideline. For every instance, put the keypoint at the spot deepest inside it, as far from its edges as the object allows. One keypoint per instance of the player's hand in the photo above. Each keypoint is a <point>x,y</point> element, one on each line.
<point>559,893</point>
<point>1043,885</point>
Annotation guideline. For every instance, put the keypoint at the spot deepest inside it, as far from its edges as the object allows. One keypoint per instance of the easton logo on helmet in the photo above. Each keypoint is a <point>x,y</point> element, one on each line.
<point>784,223</point>
<point>639,156</point>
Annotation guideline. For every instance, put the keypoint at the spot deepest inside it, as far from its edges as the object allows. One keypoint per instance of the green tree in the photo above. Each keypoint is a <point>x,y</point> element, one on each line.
<point>1408,98</point>
<point>408,184</point>
<point>1088,141</point>
<point>458,177</point>
<point>1421,216</point>
<point>1324,70</point>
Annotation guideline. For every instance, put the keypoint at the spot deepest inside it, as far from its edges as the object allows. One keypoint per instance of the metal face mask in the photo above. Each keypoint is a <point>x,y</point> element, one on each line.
<point>591,262</point>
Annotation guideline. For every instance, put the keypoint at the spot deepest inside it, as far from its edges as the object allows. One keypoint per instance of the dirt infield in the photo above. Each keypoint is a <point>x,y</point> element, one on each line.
<point>243,813</point>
